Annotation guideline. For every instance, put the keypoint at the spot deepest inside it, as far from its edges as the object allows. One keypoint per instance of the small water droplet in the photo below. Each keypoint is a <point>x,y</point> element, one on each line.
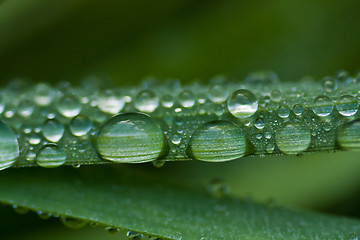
<point>276,96</point>
<point>329,84</point>
<point>44,215</point>
<point>53,130</point>
<point>270,148</point>
<point>263,78</point>
<point>9,146</point>
<point>74,223</point>
<point>187,99</point>
<point>158,163</point>
<point>347,105</point>
<point>146,101</point>
<point>353,236</point>
<point>80,125</point>
<point>298,109</point>
<point>69,106</point>
<point>217,141</point>
<point>218,94</point>
<point>30,156</point>
<point>50,156</point>
<point>131,138</point>
<point>43,95</point>
<point>167,101</point>
<point>322,106</point>
<point>25,108</point>
<point>283,111</point>
<point>259,123</point>
<point>111,103</point>
<point>131,235</point>
<point>242,103</point>
<point>20,210</point>
<point>293,138</point>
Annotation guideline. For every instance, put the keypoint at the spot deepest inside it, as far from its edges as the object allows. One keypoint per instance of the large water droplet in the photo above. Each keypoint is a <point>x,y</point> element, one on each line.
<point>298,109</point>
<point>348,135</point>
<point>146,101</point>
<point>242,103</point>
<point>217,141</point>
<point>293,138</point>
<point>131,138</point>
<point>80,125</point>
<point>69,106</point>
<point>218,94</point>
<point>9,146</point>
<point>50,156</point>
<point>322,106</point>
<point>53,130</point>
<point>109,102</point>
<point>347,105</point>
<point>187,98</point>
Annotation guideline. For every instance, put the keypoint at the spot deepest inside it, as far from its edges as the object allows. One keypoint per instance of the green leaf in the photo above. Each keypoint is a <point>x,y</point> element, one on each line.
<point>143,203</point>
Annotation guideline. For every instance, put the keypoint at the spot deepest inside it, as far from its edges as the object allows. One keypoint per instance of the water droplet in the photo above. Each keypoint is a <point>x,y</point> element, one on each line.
<point>322,106</point>
<point>74,223</point>
<point>50,156</point>
<point>9,146</point>
<point>146,101</point>
<point>158,163</point>
<point>131,235</point>
<point>69,106</point>
<point>80,125</point>
<point>262,78</point>
<point>348,135</point>
<point>20,210</point>
<point>176,139</point>
<point>347,105</point>
<point>53,130</point>
<point>187,99</point>
<point>276,96</point>
<point>34,139</point>
<point>217,141</point>
<point>43,95</point>
<point>25,108</point>
<point>283,111</point>
<point>298,109</point>
<point>329,84</point>
<point>259,123</point>
<point>293,138</point>
<point>109,102</point>
<point>218,94</point>
<point>30,156</point>
<point>44,215</point>
<point>353,236</point>
<point>131,138</point>
<point>242,103</point>
<point>270,148</point>
<point>167,101</point>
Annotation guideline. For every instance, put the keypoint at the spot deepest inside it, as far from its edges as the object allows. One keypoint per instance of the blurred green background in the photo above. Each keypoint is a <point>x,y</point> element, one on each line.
<point>192,40</point>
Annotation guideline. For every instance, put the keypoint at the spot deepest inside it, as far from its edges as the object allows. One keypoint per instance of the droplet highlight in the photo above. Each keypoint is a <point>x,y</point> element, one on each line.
<point>242,103</point>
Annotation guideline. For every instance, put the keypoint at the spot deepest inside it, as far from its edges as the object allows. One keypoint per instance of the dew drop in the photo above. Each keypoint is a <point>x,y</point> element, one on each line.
<point>53,130</point>
<point>25,108</point>
<point>167,101</point>
<point>80,125</point>
<point>353,236</point>
<point>131,235</point>
<point>242,103</point>
<point>69,106</point>
<point>74,223</point>
<point>298,109</point>
<point>9,146</point>
<point>293,138</point>
<point>348,135</point>
<point>146,101</point>
<point>43,95</point>
<point>187,99</point>
<point>347,105</point>
<point>322,106</point>
<point>283,111</point>
<point>20,210</point>
<point>329,84</point>
<point>30,156</point>
<point>50,156</point>
<point>218,94</point>
<point>217,141</point>
<point>276,96</point>
<point>131,138</point>
<point>109,102</point>
<point>263,78</point>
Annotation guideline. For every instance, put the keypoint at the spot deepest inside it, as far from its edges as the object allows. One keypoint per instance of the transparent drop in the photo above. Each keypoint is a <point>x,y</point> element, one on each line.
<point>293,138</point>
<point>298,109</point>
<point>176,139</point>
<point>218,94</point>
<point>53,130</point>
<point>43,94</point>
<point>146,101</point>
<point>34,139</point>
<point>259,123</point>
<point>73,223</point>
<point>329,84</point>
<point>347,105</point>
<point>158,163</point>
<point>322,106</point>
<point>44,215</point>
<point>242,103</point>
<point>2,104</point>
<point>348,135</point>
<point>109,102</point>
<point>9,146</point>
<point>270,148</point>
<point>276,96</point>
<point>25,108</point>
<point>131,235</point>
<point>217,141</point>
<point>50,156</point>
<point>131,138</point>
<point>263,78</point>
<point>187,99</point>
<point>20,210</point>
<point>283,111</point>
<point>30,156</point>
<point>80,125</point>
<point>167,101</point>
<point>69,106</point>
<point>353,236</point>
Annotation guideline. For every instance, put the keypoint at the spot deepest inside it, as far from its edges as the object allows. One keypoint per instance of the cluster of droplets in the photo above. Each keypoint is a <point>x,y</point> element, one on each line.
<point>51,126</point>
